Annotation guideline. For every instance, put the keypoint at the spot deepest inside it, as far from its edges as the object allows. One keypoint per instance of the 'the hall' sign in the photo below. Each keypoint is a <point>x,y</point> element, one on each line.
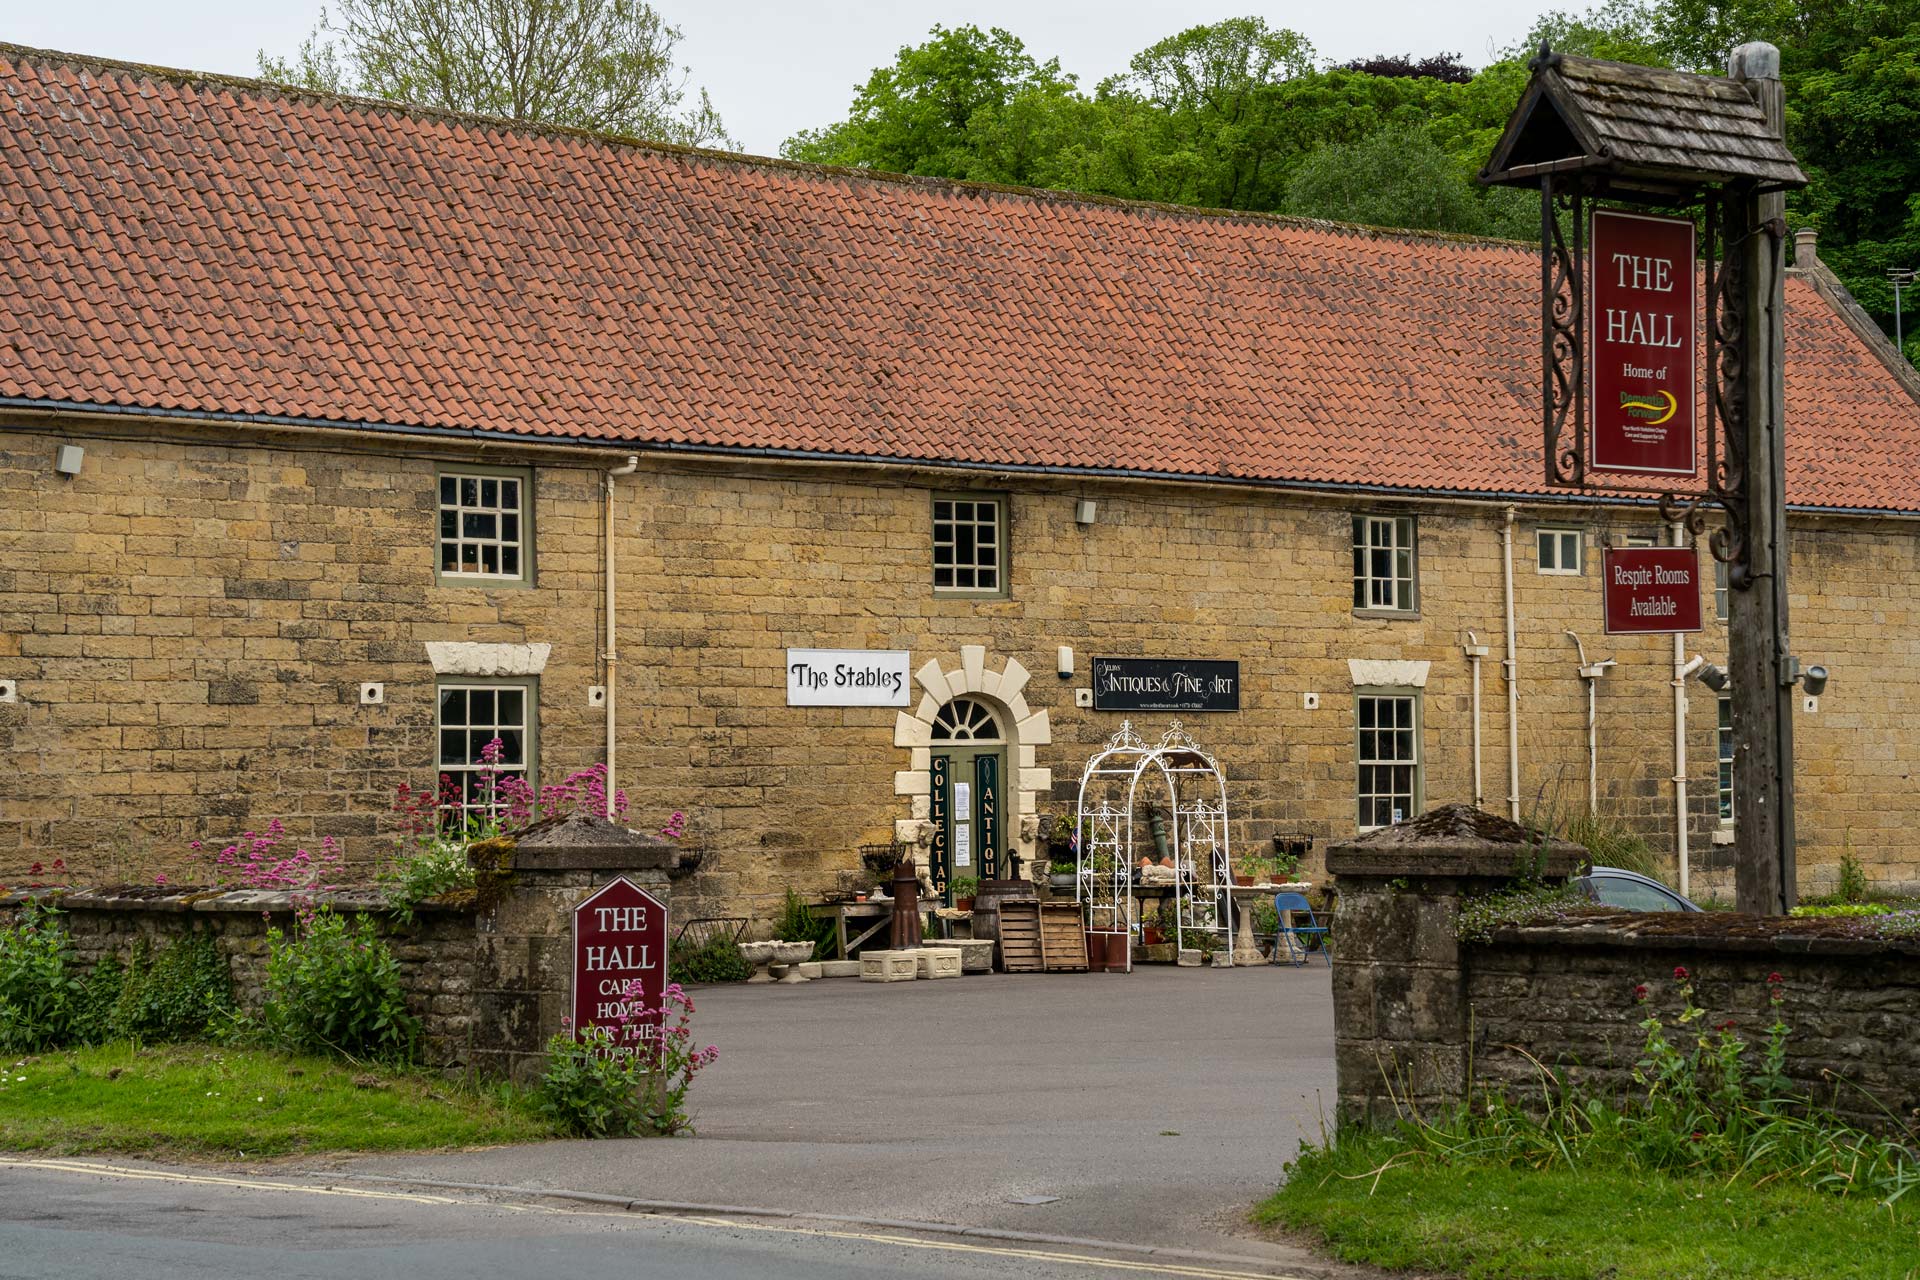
<point>1642,344</point>
<point>1652,590</point>
<point>619,937</point>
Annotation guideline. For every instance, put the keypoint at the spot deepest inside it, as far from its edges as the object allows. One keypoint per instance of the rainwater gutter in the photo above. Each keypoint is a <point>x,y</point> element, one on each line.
<point>1681,670</point>
<point>1476,651</point>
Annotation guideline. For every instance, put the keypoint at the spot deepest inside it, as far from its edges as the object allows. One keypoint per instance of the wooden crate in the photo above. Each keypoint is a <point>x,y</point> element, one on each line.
<point>1037,937</point>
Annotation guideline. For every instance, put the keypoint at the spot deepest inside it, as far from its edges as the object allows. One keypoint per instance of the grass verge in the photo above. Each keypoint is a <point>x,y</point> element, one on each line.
<point>1489,1221</point>
<point>209,1101</point>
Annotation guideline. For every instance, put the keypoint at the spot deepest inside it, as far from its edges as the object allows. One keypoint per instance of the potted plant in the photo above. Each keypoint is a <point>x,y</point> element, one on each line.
<point>964,888</point>
<point>1254,871</point>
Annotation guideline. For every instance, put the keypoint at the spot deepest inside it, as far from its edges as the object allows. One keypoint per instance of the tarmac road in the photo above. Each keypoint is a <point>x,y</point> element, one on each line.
<point>1157,1106</point>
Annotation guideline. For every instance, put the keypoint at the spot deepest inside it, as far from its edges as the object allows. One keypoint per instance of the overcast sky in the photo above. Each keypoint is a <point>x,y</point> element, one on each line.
<point>776,66</point>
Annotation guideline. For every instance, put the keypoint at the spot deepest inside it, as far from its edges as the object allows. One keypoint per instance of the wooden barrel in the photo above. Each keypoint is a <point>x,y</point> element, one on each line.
<point>986,904</point>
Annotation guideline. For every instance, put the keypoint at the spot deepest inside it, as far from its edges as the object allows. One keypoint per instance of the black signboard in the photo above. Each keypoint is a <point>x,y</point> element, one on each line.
<point>1165,684</point>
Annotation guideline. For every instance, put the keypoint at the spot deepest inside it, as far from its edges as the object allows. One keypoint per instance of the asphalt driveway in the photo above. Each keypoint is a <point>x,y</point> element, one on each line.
<point>1156,1106</point>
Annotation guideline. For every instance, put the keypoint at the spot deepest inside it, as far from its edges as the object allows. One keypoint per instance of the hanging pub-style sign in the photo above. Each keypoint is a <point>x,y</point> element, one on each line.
<point>1643,372</point>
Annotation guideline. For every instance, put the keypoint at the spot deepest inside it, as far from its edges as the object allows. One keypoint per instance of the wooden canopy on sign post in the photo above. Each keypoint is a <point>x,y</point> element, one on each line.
<point>1694,147</point>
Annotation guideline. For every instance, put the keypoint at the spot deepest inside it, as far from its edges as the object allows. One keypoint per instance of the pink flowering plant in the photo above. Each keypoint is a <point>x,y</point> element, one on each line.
<point>260,860</point>
<point>621,1079</point>
<point>436,827</point>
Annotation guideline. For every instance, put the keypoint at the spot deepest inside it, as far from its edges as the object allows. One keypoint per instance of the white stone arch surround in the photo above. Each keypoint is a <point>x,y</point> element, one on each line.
<point>1026,731</point>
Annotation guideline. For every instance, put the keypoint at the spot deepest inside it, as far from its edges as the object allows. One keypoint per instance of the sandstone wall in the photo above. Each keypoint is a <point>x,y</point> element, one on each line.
<point>189,619</point>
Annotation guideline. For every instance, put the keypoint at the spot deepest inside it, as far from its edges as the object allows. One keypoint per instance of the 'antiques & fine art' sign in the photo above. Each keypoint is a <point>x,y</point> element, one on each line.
<point>619,938</point>
<point>1642,345</point>
<point>1652,590</point>
<point>847,678</point>
<point>1165,684</point>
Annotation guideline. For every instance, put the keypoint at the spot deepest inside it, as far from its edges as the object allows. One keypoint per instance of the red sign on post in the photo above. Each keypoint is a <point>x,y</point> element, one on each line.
<point>1652,590</point>
<point>1642,344</point>
<point>620,938</point>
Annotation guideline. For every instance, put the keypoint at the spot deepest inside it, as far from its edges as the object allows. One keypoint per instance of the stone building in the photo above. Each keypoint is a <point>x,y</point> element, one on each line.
<point>337,439</point>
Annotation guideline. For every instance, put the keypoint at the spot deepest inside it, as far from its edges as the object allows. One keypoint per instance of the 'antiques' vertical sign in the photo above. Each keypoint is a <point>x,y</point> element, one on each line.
<point>1642,344</point>
<point>620,938</point>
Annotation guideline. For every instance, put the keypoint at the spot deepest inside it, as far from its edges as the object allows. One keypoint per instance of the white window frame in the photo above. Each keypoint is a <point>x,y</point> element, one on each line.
<point>1723,753</point>
<point>1398,539</point>
<point>511,524</point>
<point>466,768</point>
<point>1366,798</point>
<point>986,559</point>
<point>1722,583</point>
<point>1559,537</point>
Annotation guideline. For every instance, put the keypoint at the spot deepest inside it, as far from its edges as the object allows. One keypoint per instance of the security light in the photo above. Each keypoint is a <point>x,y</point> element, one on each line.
<point>1814,681</point>
<point>1715,678</point>
<point>1085,511</point>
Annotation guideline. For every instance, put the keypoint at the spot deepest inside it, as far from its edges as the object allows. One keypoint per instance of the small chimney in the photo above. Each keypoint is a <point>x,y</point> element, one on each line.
<point>1804,254</point>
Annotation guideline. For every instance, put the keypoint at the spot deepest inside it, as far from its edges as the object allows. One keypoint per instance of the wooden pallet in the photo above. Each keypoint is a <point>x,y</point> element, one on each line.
<point>1037,937</point>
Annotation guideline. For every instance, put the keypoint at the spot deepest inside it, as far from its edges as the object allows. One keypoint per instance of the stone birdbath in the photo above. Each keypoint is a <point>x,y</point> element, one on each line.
<point>787,959</point>
<point>760,956</point>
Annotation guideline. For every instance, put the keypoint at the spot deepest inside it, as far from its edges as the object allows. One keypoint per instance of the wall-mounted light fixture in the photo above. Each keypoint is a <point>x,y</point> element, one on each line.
<point>1085,511</point>
<point>1063,662</point>
<point>68,459</point>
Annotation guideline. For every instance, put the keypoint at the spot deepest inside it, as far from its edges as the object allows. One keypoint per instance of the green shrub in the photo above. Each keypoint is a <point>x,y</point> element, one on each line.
<point>718,959</point>
<point>1611,843</point>
<point>426,869</point>
<point>40,994</point>
<point>1853,877</point>
<point>601,1084</point>
<point>176,995</point>
<point>334,986</point>
<point>796,924</point>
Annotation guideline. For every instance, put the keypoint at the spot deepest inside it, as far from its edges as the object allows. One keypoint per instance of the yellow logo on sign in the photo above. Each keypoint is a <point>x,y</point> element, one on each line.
<point>1646,410</point>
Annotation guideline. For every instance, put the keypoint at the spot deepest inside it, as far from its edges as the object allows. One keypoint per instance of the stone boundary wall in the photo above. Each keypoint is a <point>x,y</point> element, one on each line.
<point>490,975</point>
<point>437,952</point>
<point>1423,1020</point>
<point>1565,994</point>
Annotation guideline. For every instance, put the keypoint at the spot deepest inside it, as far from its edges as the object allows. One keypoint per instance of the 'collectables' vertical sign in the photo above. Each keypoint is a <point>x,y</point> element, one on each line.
<point>1642,344</point>
<point>1652,590</point>
<point>620,940</point>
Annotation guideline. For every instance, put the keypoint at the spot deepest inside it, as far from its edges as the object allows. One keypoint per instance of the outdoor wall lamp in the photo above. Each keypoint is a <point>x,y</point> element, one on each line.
<point>1813,680</point>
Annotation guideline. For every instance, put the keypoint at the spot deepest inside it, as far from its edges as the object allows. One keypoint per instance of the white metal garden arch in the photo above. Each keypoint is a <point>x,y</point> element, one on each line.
<point>1197,835</point>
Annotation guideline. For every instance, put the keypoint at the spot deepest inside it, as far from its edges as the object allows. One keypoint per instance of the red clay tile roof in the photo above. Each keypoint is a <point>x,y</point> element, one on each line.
<point>185,243</point>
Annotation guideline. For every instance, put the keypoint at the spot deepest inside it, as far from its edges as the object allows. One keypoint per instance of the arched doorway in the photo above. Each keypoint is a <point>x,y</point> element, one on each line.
<point>968,772</point>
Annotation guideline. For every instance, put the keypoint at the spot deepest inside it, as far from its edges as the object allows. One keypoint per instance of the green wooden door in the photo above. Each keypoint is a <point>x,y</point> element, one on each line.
<point>969,814</point>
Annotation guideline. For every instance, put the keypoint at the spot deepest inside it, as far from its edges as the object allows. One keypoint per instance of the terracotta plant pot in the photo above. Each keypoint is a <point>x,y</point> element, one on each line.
<point>1117,945</point>
<point>1097,952</point>
<point>1151,936</point>
<point>963,904</point>
<point>1243,882</point>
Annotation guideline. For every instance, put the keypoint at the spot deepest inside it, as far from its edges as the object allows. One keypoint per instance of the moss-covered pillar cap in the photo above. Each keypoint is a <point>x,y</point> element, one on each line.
<point>578,843</point>
<point>1456,841</point>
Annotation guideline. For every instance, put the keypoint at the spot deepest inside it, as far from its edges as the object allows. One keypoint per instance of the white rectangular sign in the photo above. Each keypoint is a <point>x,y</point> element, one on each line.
<point>847,678</point>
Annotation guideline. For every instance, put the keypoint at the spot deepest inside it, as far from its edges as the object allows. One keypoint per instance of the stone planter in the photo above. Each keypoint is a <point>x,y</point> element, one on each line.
<point>760,956</point>
<point>786,959</point>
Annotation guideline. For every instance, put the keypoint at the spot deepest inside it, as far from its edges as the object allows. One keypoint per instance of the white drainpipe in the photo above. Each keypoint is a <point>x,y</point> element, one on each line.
<point>1681,669</point>
<point>611,656</point>
<point>1512,665</point>
<point>1591,673</point>
<point>1476,651</point>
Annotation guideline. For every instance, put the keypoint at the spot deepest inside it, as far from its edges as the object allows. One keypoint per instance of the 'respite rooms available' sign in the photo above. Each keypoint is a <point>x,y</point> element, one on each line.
<point>847,678</point>
<point>1652,590</point>
<point>1165,684</point>
<point>1642,344</point>
<point>620,938</point>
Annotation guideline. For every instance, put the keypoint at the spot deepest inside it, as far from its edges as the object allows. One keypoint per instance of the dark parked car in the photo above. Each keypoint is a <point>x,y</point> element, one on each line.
<point>1630,890</point>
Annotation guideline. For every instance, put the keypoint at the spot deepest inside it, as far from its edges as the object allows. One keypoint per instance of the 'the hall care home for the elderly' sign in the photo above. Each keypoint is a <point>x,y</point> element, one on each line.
<point>1652,589</point>
<point>1642,344</point>
<point>1165,684</point>
<point>620,937</point>
<point>847,678</point>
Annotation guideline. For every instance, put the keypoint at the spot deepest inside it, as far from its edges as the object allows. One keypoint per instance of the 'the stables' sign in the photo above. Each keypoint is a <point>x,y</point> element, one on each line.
<point>1642,344</point>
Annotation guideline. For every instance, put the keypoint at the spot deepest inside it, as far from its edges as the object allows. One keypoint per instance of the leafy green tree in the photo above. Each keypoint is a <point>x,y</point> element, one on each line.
<point>1400,178</point>
<point>605,65</point>
<point>919,115</point>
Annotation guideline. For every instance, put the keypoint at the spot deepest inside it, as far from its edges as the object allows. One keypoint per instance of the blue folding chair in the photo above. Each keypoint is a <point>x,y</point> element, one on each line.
<point>1296,935</point>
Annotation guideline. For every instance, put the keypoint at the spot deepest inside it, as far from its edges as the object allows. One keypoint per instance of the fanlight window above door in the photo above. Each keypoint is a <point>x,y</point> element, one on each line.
<point>964,720</point>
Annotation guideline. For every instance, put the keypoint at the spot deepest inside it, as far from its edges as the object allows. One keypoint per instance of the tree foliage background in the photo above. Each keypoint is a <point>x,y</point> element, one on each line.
<point>605,65</point>
<point>1241,115</point>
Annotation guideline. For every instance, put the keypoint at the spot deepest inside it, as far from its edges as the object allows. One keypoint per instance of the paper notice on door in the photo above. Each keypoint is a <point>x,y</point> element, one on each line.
<point>962,842</point>
<point>963,800</point>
